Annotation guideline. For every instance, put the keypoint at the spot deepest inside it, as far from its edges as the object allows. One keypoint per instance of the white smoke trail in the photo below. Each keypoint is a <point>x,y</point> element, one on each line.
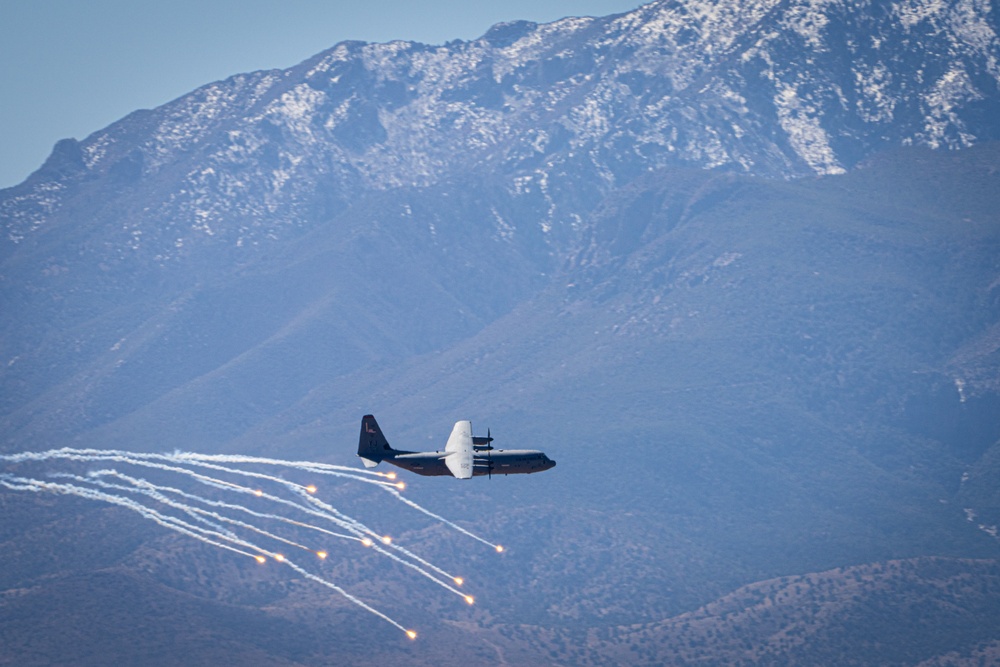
<point>173,523</point>
<point>94,455</point>
<point>210,525</point>
<point>206,460</point>
<point>224,505</point>
<point>448,523</point>
<point>409,554</point>
<point>331,585</point>
<point>195,513</point>
<point>308,466</point>
<point>16,483</point>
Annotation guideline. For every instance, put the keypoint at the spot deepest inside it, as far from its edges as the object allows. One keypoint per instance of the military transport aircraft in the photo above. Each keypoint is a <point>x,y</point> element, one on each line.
<point>463,455</point>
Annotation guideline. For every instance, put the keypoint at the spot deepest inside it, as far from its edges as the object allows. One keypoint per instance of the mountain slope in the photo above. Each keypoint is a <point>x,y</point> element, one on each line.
<point>894,613</point>
<point>473,157</point>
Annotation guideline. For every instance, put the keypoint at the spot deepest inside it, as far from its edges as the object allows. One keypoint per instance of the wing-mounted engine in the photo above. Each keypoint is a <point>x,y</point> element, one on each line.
<point>458,451</point>
<point>481,444</point>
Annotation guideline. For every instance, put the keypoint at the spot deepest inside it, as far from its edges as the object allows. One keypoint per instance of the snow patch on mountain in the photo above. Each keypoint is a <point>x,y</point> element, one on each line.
<point>799,118</point>
<point>23,214</point>
<point>948,93</point>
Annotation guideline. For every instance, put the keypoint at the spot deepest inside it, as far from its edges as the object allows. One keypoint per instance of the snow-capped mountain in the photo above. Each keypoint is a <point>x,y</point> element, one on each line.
<point>556,115</point>
<point>717,257</point>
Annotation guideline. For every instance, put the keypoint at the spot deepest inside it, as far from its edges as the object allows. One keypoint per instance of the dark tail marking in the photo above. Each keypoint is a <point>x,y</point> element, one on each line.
<point>372,445</point>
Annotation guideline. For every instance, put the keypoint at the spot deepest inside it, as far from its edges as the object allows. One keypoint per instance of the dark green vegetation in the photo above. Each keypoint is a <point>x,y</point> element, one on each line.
<point>742,381</point>
<point>897,612</point>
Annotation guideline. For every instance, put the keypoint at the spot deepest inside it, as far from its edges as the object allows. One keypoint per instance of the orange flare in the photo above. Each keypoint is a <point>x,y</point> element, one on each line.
<point>366,542</point>
<point>499,549</point>
<point>311,488</point>
<point>459,581</point>
<point>386,540</point>
<point>258,493</point>
<point>260,559</point>
<point>400,486</point>
<point>321,554</point>
<point>411,634</point>
<point>279,558</point>
<point>470,599</point>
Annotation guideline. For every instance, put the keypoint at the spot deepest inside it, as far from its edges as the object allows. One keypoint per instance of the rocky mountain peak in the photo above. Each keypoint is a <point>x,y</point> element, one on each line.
<point>769,88</point>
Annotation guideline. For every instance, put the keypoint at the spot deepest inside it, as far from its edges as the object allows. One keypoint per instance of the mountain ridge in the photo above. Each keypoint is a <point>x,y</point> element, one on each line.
<point>239,160</point>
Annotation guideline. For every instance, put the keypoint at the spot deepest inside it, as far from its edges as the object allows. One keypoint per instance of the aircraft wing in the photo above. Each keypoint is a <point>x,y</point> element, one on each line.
<point>459,450</point>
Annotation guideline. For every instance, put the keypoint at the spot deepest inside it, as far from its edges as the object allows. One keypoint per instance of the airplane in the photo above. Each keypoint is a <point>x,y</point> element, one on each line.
<point>462,456</point>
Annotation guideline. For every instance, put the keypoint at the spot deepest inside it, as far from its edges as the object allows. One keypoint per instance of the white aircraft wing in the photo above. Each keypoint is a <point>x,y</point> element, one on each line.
<point>459,450</point>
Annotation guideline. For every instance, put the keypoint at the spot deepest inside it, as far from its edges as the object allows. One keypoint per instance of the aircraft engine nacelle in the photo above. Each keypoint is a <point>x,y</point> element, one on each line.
<point>481,444</point>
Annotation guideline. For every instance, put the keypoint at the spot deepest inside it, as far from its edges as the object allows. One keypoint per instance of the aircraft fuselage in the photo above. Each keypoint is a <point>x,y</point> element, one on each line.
<point>503,462</point>
<point>463,457</point>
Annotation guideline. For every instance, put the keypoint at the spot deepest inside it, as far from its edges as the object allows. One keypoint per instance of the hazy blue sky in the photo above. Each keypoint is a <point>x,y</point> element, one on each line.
<point>70,67</point>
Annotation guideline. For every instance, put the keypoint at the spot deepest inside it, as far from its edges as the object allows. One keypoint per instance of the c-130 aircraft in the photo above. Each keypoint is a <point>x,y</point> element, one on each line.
<point>464,456</point>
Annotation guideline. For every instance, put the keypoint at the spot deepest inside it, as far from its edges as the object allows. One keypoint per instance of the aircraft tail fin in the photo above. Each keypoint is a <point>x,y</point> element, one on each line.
<point>372,445</point>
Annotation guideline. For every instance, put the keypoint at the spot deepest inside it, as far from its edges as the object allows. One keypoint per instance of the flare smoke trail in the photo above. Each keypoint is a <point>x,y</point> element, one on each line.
<point>212,521</point>
<point>394,492</point>
<point>25,484</point>
<point>223,505</point>
<point>198,514</point>
<point>421,561</point>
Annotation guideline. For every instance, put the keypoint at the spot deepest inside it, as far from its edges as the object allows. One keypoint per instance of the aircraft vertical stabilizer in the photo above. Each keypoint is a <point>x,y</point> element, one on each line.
<point>459,450</point>
<point>372,445</point>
